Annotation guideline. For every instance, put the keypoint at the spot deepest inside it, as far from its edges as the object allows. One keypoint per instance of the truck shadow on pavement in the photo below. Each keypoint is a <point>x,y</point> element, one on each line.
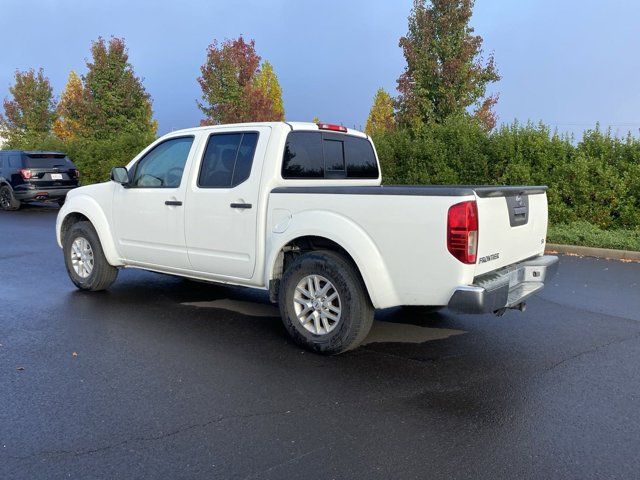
<point>414,355</point>
<point>217,305</point>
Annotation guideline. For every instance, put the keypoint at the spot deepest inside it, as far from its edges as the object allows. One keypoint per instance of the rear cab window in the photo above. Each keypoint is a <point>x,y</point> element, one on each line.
<point>314,155</point>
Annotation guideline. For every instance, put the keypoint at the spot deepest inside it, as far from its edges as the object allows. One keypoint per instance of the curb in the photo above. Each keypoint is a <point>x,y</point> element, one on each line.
<point>607,253</point>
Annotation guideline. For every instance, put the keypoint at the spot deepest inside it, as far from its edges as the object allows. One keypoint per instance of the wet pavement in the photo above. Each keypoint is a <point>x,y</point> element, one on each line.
<point>161,377</point>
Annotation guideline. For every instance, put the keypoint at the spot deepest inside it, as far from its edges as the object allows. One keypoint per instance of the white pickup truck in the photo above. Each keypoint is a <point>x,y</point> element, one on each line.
<point>298,209</point>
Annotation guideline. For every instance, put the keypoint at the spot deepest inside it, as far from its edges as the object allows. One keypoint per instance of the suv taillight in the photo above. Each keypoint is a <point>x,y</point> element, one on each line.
<point>26,173</point>
<point>75,173</point>
<point>462,231</point>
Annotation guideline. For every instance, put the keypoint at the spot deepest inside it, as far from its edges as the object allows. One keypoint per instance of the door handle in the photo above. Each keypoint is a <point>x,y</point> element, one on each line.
<point>174,203</point>
<point>240,205</point>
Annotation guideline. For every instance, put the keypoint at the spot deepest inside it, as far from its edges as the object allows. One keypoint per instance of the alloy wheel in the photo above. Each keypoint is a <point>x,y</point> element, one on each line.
<point>316,303</point>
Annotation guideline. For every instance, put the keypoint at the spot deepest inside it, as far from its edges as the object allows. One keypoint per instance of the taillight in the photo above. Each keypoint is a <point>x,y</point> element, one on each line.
<point>332,127</point>
<point>462,231</point>
<point>76,173</point>
<point>26,173</point>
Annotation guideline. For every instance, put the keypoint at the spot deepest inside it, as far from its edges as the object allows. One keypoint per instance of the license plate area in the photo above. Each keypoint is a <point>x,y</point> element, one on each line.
<point>56,176</point>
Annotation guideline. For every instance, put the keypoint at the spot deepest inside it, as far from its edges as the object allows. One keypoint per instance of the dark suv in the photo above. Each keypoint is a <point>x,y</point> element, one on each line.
<point>31,176</point>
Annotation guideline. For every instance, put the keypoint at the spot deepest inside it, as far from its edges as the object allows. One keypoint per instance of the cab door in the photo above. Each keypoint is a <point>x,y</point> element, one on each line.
<point>221,218</point>
<point>148,213</point>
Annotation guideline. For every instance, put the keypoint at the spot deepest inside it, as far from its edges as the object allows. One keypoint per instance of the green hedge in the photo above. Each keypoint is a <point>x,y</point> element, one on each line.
<point>588,235</point>
<point>595,180</point>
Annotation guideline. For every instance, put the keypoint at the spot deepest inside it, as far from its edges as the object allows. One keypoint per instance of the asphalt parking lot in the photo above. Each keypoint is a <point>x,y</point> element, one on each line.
<point>164,378</point>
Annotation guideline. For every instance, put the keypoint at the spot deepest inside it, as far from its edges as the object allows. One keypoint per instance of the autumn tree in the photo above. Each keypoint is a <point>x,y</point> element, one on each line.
<point>31,109</point>
<point>71,110</point>
<point>381,116</point>
<point>445,73</point>
<point>235,88</point>
<point>114,98</point>
<point>267,85</point>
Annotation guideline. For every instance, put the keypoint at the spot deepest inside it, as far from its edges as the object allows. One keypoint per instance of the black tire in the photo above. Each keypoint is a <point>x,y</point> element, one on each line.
<point>103,274</point>
<point>7,201</point>
<point>356,310</point>
<point>60,201</point>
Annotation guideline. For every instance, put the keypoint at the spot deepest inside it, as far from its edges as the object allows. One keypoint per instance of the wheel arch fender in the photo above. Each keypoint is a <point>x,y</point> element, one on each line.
<point>89,208</point>
<point>348,235</point>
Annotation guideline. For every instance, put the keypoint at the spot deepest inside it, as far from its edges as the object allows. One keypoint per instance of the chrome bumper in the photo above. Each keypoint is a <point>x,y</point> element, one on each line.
<point>504,288</point>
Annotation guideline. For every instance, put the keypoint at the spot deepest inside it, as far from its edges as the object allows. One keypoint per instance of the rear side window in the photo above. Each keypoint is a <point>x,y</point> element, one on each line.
<point>309,155</point>
<point>227,159</point>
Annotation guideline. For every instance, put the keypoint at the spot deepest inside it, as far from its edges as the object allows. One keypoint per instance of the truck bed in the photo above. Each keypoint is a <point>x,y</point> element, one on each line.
<point>406,226</point>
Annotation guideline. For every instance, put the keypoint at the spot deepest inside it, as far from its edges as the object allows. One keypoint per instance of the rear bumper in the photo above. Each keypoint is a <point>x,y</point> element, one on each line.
<point>504,288</point>
<point>41,194</point>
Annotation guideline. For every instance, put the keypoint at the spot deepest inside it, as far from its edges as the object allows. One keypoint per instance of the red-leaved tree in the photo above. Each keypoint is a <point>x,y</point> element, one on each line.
<point>233,89</point>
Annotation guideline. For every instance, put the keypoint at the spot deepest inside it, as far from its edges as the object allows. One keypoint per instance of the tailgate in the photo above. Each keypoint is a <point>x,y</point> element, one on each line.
<point>512,225</point>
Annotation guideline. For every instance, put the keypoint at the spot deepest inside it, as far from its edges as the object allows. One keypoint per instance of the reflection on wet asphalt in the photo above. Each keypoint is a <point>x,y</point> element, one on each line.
<point>381,331</point>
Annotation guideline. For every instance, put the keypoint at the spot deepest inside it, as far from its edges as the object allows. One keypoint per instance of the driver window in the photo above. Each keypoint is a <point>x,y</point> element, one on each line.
<point>162,167</point>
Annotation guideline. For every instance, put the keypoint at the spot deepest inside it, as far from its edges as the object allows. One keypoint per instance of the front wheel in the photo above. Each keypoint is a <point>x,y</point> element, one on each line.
<point>86,263</point>
<point>324,303</point>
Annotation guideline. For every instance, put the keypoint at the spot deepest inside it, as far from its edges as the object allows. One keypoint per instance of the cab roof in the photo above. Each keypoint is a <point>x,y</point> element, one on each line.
<point>294,126</point>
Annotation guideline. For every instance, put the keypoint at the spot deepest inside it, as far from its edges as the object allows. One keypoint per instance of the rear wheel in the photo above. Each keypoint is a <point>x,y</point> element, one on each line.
<point>60,201</point>
<point>7,200</point>
<point>324,303</point>
<point>84,258</point>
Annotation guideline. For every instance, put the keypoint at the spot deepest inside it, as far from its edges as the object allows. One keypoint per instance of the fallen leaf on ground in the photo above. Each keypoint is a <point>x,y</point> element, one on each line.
<point>74,354</point>
<point>20,368</point>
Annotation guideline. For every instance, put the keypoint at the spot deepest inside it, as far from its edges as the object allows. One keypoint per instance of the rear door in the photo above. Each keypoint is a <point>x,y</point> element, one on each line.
<point>512,226</point>
<point>222,203</point>
<point>50,170</point>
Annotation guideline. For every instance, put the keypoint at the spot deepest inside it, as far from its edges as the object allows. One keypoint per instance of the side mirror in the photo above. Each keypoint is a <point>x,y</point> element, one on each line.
<point>120,175</point>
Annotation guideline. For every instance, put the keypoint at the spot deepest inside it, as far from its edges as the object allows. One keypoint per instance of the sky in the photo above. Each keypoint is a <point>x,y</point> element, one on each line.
<point>568,63</point>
